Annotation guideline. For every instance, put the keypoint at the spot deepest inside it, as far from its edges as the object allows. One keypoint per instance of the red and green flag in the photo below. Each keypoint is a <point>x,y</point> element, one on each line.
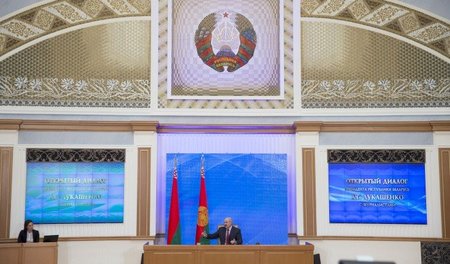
<point>202,219</point>
<point>174,230</point>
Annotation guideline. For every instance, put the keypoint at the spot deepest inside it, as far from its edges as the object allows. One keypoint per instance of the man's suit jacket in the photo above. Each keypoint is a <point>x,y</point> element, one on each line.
<point>23,236</point>
<point>235,233</point>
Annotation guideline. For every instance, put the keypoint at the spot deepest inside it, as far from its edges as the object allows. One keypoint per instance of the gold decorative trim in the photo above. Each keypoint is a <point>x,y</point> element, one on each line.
<point>70,92</point>
<point>376,93</point>
<point>57,15</point>
<point>424,29</point>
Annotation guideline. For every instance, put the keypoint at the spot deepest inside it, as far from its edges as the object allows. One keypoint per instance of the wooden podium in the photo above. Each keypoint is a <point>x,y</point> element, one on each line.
<point>229,254</point>
<point>29,253</point>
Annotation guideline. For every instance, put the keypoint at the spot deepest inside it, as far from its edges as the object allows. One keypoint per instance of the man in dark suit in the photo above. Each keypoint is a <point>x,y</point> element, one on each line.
<point>28,234</point>
<point>227,234</point>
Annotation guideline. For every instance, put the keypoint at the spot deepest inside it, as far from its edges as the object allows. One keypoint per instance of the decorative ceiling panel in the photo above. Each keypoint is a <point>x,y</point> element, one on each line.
<point>406,22</point>
<point>348,67</point>
<point>57,15</point>
<point>100,66</point>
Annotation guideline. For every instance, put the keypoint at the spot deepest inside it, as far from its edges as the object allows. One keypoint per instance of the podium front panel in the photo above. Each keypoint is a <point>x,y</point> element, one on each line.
<point>10,253</point>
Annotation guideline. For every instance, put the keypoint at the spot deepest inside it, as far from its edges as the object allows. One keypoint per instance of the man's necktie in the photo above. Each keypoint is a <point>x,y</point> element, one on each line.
<point>227,237</point>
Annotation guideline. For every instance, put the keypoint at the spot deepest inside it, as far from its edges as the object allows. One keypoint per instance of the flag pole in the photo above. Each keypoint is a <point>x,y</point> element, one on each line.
<point>202,217</point>
<point>174,228</point>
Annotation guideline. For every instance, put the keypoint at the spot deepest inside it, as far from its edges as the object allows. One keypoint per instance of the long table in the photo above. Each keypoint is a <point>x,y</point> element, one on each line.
<point>28,253</point>
<point>203,254</point>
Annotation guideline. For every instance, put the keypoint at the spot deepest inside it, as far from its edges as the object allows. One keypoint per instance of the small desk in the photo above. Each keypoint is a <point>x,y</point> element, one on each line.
<point>203,254</point>
<point>28,253</point>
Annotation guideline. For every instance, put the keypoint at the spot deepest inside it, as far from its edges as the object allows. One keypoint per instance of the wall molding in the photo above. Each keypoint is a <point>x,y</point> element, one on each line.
<point>391,126</point>
<point>10,124</point>
<point>154,126</point>
<point>72,125</point>
<point>228,129</point>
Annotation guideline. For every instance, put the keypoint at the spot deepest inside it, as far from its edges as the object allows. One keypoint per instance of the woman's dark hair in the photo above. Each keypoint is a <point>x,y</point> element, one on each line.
<point>27,222</point>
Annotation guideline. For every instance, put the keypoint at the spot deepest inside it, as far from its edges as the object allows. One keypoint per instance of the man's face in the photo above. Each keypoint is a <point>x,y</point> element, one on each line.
<point>227,223</point>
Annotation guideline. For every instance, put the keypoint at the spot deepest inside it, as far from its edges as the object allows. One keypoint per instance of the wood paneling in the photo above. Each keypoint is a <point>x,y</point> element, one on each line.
<point>40,253</point>
<point>10,253</point>
<point>36,253</point>
<point>6,163</point>
<point>228,254</point>
<point>282,256</point>
<point>309,191</point>
<point>143,192</point>
<point>171,258</point>
<point>169,255</point>
<point>444,171</point>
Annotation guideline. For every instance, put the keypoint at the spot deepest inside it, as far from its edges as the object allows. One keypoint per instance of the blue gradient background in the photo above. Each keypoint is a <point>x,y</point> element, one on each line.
<point>411,210</point>
<point>251,188</point>
<point>42,209</point>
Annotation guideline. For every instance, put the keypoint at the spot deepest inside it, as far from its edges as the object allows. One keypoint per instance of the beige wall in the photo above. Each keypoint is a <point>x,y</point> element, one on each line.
<point>331,251</point>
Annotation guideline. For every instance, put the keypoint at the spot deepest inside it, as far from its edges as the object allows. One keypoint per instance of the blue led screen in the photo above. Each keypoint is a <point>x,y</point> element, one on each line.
<point>75,192</point>
<point>250,188</point>
<point>384,193</point>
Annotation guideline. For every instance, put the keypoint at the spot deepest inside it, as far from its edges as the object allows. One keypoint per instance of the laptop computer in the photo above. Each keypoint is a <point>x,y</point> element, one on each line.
<point>51,238</point>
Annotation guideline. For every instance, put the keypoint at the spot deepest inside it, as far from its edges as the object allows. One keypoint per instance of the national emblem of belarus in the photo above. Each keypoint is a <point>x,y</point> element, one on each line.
<point>225,39</point>
<point>202,216</point>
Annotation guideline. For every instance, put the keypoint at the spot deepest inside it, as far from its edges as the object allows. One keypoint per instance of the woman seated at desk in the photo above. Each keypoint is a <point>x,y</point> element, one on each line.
<point>28,234</point>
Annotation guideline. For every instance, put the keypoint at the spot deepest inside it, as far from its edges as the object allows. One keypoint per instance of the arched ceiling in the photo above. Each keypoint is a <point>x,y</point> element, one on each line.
<point>423,29</point>
<point>53,16</point>
<point>400,70</point>
<point>45,17</point>
<point>438,7</point>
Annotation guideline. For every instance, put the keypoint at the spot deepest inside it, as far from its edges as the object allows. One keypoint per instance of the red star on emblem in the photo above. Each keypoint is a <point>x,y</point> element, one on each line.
<point>225,14</point>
